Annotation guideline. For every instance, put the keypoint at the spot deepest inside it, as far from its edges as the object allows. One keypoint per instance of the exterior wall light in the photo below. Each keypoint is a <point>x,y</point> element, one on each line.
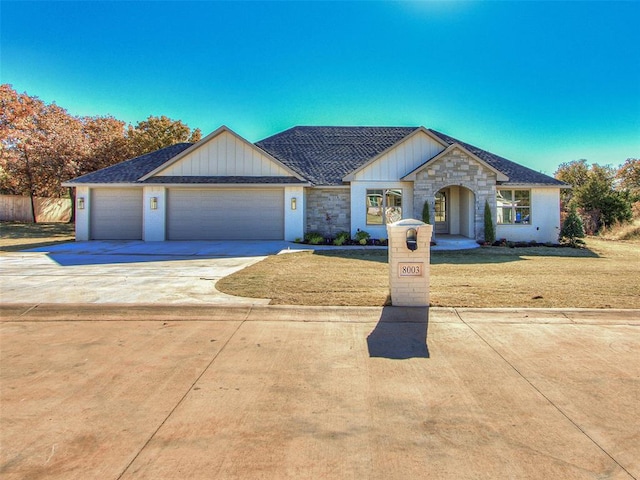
<point>154,203</point>
<point>80,203</point>
<point>294,203</point>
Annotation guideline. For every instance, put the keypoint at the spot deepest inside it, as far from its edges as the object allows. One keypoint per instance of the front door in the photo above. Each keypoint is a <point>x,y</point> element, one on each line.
<point>441,212</point>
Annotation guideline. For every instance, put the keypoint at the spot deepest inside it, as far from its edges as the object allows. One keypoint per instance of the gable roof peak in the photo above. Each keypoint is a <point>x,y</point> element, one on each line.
<point>325,155</point>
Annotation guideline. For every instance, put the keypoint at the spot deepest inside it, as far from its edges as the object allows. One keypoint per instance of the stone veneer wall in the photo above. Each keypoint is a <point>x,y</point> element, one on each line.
<point>333,201</point>
<point>456,168</point>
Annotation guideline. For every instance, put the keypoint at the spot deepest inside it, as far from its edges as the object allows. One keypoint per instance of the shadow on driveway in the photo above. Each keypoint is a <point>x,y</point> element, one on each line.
<point>401,333</point>
<point>123,252</point>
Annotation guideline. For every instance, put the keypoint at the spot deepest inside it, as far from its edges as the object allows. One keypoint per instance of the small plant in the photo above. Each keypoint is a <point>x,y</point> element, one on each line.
<point>362,237</point>
<point>572,229</point>
<point>426,215</point>
<point>297,240</point>
<point>341,238</point>
<point>489,232</point>
<point>313,238</point>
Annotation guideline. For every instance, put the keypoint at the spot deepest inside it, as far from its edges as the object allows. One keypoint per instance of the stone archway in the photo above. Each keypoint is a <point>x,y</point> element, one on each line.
<point>472,181</point>
<point>454,211</point>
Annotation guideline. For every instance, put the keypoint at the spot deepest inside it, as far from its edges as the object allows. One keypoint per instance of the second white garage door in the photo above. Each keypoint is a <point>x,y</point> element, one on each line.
<point>225,214</point>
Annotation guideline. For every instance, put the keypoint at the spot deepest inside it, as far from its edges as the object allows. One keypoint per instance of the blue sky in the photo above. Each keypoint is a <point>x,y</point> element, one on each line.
<point>540,83</point>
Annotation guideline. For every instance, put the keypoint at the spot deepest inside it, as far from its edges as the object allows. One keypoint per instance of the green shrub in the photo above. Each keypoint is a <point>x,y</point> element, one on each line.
<point>489,232</point>
<point>341,238</point>
<point>426,214</point>
<point>313,238</point>
<point>572,228</point>
<point>362,237</point>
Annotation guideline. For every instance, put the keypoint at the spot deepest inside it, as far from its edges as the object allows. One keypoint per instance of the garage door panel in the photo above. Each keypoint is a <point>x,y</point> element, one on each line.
<point>225,214</point>
<point>116,214</point>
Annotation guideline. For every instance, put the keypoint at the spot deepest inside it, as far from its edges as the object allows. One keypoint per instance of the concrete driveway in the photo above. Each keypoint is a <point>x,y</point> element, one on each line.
<point>129,271</point>
<point>244,392</point>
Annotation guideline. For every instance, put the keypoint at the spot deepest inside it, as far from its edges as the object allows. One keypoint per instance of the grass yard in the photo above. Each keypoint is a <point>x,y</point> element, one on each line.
<point>15,236</point>
<point>604,275</point>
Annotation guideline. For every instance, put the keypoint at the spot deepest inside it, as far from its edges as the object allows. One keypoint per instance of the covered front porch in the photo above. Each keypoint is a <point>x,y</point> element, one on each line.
<point>454,212</point>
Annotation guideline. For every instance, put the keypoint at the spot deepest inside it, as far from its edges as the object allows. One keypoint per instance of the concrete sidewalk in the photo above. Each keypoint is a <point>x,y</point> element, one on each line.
<point>110,392</point>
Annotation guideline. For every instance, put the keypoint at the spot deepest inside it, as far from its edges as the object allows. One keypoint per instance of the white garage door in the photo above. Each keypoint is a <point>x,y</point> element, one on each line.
<point>116,214</point>
<point>225,214</point>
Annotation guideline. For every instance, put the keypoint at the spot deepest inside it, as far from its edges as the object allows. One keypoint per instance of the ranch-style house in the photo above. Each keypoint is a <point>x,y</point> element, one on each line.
<point>315,179</point>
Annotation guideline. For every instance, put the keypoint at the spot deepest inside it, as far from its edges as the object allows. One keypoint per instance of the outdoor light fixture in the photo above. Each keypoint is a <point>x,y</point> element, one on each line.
<point>294,202</point>
<point>80,203</point>
<point>154,203</point>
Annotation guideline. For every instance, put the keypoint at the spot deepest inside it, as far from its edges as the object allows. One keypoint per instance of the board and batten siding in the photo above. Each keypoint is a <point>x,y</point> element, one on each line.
<point>225,155</point>
<point>401,160</point>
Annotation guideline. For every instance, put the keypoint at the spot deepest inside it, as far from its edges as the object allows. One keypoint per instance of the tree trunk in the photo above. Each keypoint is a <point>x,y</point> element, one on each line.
<point>72,196</point>
<point>33,207</point>
<point>30,180</point>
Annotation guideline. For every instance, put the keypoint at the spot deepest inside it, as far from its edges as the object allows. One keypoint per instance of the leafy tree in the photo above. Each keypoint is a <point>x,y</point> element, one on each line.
<point>575,174</point>
<point>489,231</point>
<point>24,130</point>
<point>572,228</point>
<point>594,194</point>
<point>155,133</point>
<point>43,145</point>
<point>628,176</point>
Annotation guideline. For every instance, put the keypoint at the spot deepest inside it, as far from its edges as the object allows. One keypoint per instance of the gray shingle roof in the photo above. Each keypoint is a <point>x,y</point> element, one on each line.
<point>130,171</point>
<point>324,155</point>
<point>518,174</point>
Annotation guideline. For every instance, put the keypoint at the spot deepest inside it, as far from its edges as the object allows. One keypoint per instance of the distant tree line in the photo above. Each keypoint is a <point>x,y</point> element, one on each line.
<point>602,196</point>
<point>43,145</point>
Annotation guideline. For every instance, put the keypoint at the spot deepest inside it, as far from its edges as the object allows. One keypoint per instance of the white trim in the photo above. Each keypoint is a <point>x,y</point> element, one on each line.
<point>189,185</point>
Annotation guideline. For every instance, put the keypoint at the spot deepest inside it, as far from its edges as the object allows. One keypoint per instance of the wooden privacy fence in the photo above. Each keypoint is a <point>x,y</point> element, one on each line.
<point>16,208</point>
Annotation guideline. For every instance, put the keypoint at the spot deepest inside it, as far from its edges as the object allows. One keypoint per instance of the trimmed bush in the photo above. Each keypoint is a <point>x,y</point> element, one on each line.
<point>313,238</point>
<point>341,238</point>
<point>426,214</point>
<point>489,231</point>
<point>362,237</point>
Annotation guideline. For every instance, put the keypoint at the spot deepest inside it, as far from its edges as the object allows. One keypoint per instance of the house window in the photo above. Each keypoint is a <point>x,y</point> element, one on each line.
<point>384,206</point>
<point>514,207</point>
<point>441,207</point>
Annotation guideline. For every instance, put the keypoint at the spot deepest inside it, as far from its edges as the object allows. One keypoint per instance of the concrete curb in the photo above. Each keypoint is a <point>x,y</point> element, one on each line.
<point>290,313</point>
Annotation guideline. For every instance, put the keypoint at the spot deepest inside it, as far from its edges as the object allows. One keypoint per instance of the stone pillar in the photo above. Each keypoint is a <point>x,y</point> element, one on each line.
<point>409,262</point>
